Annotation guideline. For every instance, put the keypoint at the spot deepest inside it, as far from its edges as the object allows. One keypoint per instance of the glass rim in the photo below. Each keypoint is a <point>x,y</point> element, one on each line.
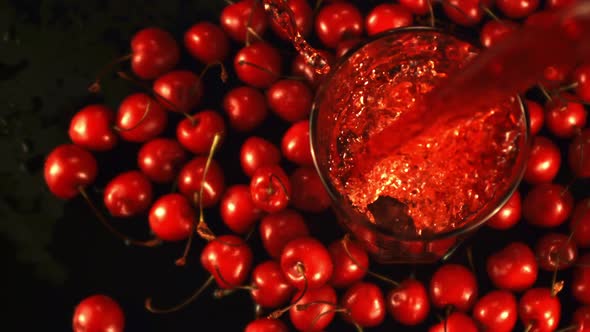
<point>335,196</point>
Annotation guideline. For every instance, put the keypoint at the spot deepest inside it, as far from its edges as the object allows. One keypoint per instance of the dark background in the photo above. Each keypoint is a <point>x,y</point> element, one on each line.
<point>56,253</point>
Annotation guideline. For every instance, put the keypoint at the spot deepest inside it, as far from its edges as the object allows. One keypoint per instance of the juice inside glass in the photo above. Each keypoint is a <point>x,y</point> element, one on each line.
<point>419,202</point>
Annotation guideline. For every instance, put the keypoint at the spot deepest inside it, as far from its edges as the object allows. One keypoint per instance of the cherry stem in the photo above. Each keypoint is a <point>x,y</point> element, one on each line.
<point>247,63</point>
<point>488,11</point>
<point>149,307</point>
<point>345,241</point>
<point>529,327</point>
<point>249,23</point>
<point>461,11</point>
<point>148,108</point>
<point>223,75</point>
<point>568,328</point>
<point>278,313</point>
<point>545,92</point>
<point>151,91</point>
<point>229,2</point>
<point>431,13</point>
<point>95,86</point>
<point>470,259</point>
<point>317,318</point>
<point>281,184</point>
<point>318,4</point>
<point>128,241</point>
<point>568,87</point>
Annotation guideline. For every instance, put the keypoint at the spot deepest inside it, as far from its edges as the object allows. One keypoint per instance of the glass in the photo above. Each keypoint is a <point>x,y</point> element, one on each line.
<point>367,90</point>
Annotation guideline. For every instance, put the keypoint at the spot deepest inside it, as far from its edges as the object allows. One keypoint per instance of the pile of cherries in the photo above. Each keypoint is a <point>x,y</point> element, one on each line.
<point>301,281</point>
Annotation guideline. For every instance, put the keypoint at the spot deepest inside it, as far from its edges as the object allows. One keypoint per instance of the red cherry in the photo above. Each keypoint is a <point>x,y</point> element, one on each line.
<point>494,31</point>
<point>347,270</point>
<point>154,52</point>
<point>140,118</point>
<point>470,12</point>
<point>258,64</point>
<point>543,162</point>
<point>68,168</point>
<point>455,322</point>
<point>496,311</point>
<point>171,217</point>
<point>98,313</point>
<point>309,193</point>
<point>338,21</point>
<point>346,46</point>
<point>387,16</point>
<point>580,224</point>
<point>513,268</point>
<point>270,188</point>
<point>228,258</point>
<point>301,68</point>
<point>278,229</point>
<point>266,325</point>
<point>578,154</point>
<point>303,15</point>
<point>509,214</point>
<point>305,261</point>
<point>565,119</point>
<point>295,144</point>
<point>206,42</point>
<point>408,303</point>
<point>539,309</point>
<point>181,89</point>
<point>536,116</point>
<point>547,205</point>
<point>290,100</point>
<point>554,76</point>
<point>237,210</point>
<point>190,180</point>
<point>312,313</point>
<point>365,304</point>
<point>555,250</point>
<point>555,4</point>
<point>245,107</point>
<point>197,134</point>
<point>582,78</point>
<point>237,17</point>
<point>417,7</point>
<point>160,159</point>
<point>580,284</point>
<point>581,319</point>
<point>453,285</point>
<point>517,8</point>
<point>257,152</point>
<point>270,289</point>
<point>128,194</point>
<point>92,128</point>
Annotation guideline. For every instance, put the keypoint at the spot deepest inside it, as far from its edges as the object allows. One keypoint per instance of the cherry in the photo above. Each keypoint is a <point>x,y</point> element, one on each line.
<point>306,263</point>
<point>290,100</point>
<point>270,188</point>
<point>365,304</point>
<point>417,7</point>
<point>228,258</point>
<point>196,133</point>
<point>160,159</point>
<point>494,31</point>
<point>206,42</point>
<point>68,169</point>
<point>565,119</point>
<point>539,310</point>
<point>278,229</point>
<point>270,289</point>
<point>128,194</point>
<point>387,16</point>
<point>312,311</point>
<point>350,261</point>
<point>338,21</point>
<point>582,79</point>
<point>309,193</point>
<point>238,17</point>
<point>408,302</point>
<point>554,76</point>
<point>154,52</point>
<point>237,210</point>
<point>555,251</point>
<point>455,322</point>
<point>257,152</point>
<point>453,285</point>
<point>98,313</point>
<point>171,217</point>
<point>258,64</point>
<point>346,46</point>
<point>517,8</point>
<point>245,107</point>
<point>303,15</point>
<point>547,205</point>
<point>536,116</point>
<point>580,224</point>
<point>509,215</point>
<point>92,128</point>
<point>555,4</point>
<point>266,325</point>
<point>496,311</point>
<point>513,268</point>
<point>580,284</point>
<point>581,319</point>
<point>464,12</point>
<point>579,154</point>
<point>301,68</point>
<point>190,180</point>
<point>543,162</point>
<point>295,144</point>
<point>181,90</point>
<point>140,118</point>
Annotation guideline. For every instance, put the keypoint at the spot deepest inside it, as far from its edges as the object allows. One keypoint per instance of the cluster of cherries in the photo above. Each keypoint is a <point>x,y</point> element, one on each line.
<point>301,275</point>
